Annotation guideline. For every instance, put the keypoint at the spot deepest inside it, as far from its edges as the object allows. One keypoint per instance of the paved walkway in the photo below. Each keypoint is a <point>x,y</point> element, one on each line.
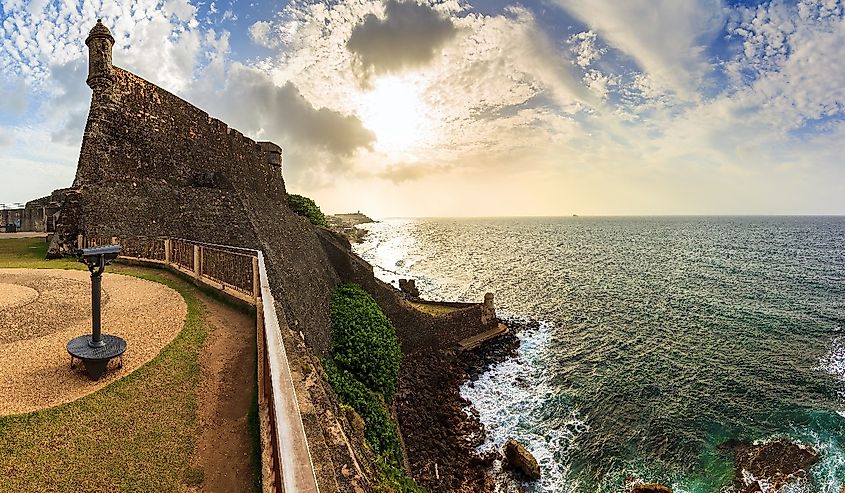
<point>42,309</point>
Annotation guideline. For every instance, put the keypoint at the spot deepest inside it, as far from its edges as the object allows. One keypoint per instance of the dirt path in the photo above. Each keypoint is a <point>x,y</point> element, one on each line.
<point>224,400</point>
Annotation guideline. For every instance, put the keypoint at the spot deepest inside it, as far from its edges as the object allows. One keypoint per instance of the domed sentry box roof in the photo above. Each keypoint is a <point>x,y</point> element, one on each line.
<point>99,31</point>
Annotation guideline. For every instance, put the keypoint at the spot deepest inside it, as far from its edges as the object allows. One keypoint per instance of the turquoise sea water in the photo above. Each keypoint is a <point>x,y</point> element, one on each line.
<point>658,338</point>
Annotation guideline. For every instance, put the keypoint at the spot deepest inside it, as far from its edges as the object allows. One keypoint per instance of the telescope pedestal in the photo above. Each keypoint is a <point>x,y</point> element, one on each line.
<point>96,359</point>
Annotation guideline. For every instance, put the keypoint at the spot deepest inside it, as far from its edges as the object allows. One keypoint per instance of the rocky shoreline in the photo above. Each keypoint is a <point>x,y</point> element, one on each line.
<point>440,437</point>
<point>347,225</point>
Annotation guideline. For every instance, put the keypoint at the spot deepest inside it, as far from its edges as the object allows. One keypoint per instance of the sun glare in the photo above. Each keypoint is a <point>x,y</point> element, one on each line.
<point>394,111</point>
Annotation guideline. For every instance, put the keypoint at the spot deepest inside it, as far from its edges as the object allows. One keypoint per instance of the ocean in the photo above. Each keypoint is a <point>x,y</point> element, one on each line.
<point>652,340</point>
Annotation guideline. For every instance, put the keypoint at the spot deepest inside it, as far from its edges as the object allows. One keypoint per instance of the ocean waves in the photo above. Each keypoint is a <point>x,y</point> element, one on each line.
<point>662,338</point>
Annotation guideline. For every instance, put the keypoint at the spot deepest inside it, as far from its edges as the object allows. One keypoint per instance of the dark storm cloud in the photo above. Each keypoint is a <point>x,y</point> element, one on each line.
<point>251,102</point>
<point>409,36</point>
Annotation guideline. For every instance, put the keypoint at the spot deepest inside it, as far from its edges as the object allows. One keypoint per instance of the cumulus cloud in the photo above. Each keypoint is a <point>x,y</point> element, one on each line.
<point>667,38</point>
<point>495,65</point>
<point>251,102</point>
<point>409,35</point>
<point>69,104</point>
<point>783,75</point>
<point>180,8</point>
<point>585,49</point>
<point>259,32</point>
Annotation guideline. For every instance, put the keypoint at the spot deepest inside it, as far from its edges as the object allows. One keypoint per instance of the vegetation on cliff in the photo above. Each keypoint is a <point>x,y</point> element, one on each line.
<point>364,342</point>
<point>307,208</point>
<point>364,374</point>
<point>379,430</point>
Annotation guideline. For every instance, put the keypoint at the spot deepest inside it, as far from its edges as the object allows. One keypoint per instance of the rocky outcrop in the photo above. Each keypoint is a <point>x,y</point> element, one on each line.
<point>520,458</point>
<point>409,287</point>
<point>440,436</point>
<point>347,225</point>
<point>778,462</point>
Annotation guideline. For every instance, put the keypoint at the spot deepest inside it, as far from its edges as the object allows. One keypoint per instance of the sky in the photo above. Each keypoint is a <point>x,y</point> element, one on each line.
<point>466,107</point>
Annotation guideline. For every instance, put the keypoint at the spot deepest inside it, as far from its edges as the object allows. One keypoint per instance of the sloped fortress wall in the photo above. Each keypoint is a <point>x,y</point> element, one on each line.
<point>153,164</point>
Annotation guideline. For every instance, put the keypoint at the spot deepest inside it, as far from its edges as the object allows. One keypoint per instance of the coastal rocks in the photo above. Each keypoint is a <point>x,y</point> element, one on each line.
<point>409,287</point>
<point>346,225</point>
<point>520,458</point>
<point>777,463</point>
<point>651,488</point>
<point>440,437</point>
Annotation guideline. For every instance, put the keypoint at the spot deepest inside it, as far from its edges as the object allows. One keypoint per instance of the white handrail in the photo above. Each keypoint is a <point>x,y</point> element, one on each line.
<point>287,439</point>
<point>297,468</point>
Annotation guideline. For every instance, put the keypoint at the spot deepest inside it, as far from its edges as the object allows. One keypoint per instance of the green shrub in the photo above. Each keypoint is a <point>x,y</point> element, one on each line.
<point>379,430</point>
<point>307,208</point>
<point>393,479</point>
<point>365,372</point>
<point>364,342</point>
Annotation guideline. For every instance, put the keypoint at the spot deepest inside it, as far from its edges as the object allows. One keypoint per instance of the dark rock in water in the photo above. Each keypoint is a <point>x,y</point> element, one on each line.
<point>409,287</point>
<point>651,488</point>
<point>754,487</point>
<point>779,462</point>
<point>521,459</point>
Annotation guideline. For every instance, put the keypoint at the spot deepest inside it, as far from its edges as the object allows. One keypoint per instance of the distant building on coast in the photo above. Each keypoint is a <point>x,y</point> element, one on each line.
<point>10,217</point>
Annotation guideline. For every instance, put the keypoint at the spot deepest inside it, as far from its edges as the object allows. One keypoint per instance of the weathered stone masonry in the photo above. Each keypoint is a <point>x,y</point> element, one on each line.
<point>153,164</point>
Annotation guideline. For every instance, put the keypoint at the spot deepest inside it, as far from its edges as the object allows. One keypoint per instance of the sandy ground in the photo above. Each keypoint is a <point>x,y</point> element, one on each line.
<point>41,310</point>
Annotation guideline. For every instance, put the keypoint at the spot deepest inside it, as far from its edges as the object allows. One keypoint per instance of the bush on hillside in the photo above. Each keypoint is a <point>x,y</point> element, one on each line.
<point>364,342</point>
<point>379,430</point>
<point>307,208</point>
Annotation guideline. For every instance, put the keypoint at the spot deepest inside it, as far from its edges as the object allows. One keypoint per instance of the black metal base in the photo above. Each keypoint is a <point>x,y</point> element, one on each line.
<point>95,359</point>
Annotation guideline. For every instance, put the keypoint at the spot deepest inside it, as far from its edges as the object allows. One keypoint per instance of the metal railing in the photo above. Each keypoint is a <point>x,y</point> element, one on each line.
<point>241,273</point>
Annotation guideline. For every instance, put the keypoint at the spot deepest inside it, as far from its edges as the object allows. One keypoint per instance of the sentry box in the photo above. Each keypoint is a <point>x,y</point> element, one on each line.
<point>96,350</point>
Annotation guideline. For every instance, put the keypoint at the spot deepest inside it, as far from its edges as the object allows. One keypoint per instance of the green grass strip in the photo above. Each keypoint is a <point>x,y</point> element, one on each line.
<point>135,435</point>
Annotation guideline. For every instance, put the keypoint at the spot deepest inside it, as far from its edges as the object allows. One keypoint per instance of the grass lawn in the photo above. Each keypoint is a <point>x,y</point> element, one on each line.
<point>29,253</point>
<point>137,434</point>
<point>435,310</point>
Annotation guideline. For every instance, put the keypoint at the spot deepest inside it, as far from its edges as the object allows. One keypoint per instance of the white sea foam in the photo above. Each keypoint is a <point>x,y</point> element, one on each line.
<point>509,399</point>
<point>827,474</point>
<point>834,363</point>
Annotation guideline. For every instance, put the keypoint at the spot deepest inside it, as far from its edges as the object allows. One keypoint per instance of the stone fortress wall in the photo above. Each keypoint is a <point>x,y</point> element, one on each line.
<point>152,164</point>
